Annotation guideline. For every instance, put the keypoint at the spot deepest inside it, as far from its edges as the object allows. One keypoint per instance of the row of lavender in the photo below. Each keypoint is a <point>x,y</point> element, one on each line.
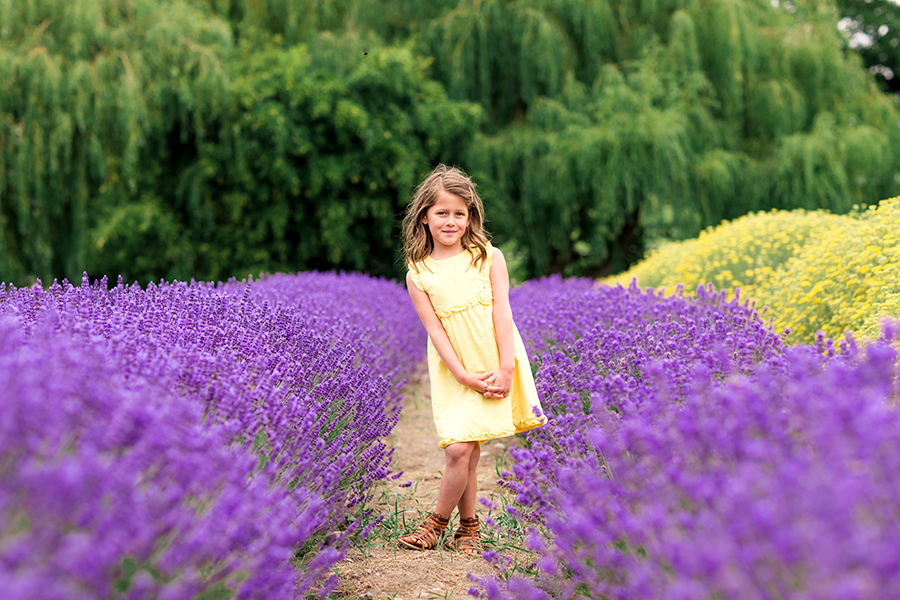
<point>193,439</point>
<point>693,455</point>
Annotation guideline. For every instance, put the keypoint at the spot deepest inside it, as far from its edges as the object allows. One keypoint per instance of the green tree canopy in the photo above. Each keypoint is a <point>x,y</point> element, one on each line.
<point>212,138</point>
<point>323,154</point>
<point>100,98</point>
<point>165,138</point>
<point>610,118</point>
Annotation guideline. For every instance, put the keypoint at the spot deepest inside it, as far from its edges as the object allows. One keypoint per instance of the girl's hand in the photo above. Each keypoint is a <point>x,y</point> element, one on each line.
<point>476,381</point>
<point>499,383</point>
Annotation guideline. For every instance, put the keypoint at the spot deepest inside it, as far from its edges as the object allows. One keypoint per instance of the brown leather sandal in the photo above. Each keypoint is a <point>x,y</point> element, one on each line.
<point>467,538</point>
<point>426,538</point>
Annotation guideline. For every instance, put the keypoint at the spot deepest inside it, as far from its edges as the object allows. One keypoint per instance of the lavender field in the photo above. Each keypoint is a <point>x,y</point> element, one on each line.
<point>185,440</point>
<point>200,440</point>
<point>694,455</point>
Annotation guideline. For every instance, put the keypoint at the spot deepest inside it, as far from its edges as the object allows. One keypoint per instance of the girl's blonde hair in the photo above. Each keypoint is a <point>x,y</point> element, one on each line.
<point>417,242</point>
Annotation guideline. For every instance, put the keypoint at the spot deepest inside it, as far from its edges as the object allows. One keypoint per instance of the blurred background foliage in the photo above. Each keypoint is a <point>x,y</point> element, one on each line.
<point>217,138</point>
<point>873,28</point>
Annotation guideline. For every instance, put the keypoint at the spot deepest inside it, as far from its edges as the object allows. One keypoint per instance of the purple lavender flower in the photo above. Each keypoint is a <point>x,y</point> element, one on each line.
<point>691,454</point>
<point>167,441</point>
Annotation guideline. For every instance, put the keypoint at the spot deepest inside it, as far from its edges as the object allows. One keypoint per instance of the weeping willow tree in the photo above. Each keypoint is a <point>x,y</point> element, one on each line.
<point>327,144</point>
<point>179,139</point>
<point>291,22</point>
<point>101,101</point>
<point>613,120</point>
<point>211,138</point>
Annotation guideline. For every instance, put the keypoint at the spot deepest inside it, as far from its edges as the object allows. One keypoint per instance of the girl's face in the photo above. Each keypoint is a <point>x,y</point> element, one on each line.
<point>447,220</point>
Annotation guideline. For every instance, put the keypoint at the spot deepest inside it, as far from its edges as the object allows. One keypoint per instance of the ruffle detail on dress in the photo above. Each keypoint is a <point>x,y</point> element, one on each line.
<point>532,423</point>
<point>478,437</point>
<point>485,297</point>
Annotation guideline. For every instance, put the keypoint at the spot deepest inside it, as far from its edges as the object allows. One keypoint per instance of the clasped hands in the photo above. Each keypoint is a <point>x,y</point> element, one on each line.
<point>494,384</point>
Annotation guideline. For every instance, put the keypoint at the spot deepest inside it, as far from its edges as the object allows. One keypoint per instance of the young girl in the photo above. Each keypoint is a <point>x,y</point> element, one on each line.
<point>481,382</point>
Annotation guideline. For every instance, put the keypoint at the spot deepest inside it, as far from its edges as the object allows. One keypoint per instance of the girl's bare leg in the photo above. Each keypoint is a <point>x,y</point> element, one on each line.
<point>455,482</point>
<point>467,501</point>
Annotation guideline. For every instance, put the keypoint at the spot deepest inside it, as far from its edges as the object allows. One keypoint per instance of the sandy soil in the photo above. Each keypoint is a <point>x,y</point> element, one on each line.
<point>383,571</point>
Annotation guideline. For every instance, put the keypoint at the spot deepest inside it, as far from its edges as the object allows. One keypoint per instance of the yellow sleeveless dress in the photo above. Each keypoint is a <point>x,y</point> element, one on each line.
<point>462,297</point>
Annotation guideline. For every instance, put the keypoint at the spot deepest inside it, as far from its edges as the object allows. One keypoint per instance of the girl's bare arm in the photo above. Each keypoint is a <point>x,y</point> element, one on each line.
<point>501,379</point>
<point>441,341</point>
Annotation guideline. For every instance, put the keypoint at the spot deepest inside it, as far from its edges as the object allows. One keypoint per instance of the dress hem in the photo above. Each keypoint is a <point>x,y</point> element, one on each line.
<point>493,435</point>
<point>531,424</point>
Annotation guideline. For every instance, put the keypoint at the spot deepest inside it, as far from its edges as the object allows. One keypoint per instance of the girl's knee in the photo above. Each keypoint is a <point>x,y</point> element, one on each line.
<point>459,451</point>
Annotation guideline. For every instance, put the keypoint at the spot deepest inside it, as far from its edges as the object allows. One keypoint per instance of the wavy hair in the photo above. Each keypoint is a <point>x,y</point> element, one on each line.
<point>417,241</point>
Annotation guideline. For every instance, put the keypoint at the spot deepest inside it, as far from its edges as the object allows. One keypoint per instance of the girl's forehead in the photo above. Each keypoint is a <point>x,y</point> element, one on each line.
<point>447,200</point>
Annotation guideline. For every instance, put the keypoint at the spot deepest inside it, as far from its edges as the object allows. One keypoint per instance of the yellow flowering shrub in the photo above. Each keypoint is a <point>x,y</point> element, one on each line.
<point>814,270</point>
<point>736,254</point>
<point>847,280</point>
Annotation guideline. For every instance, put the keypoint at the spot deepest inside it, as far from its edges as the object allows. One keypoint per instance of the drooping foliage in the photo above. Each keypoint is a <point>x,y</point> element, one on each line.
<point>610,120</point>
<point>211,138</point>
<point>157,139</point>
<point>100,105</point>
<point>325,153</point>
<point>289,22</point>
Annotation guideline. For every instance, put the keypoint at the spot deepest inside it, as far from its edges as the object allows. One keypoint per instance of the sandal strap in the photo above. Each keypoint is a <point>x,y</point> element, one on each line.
<point>436,521</point>
<point>429,531</point>
<point>468,535</point>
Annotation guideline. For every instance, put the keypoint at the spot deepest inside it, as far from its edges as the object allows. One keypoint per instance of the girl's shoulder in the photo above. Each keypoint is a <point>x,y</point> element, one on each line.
<point>414,273</point>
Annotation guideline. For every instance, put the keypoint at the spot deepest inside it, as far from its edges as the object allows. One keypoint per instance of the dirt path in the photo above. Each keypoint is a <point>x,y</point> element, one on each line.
<point>381,570</point>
